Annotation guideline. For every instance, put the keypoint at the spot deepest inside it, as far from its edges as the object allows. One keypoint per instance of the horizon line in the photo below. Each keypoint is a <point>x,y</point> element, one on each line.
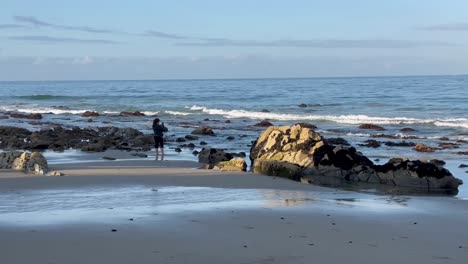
<point>241,78</point>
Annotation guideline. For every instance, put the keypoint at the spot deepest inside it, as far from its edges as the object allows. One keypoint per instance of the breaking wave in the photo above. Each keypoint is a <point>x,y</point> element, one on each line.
<point>342,119</point>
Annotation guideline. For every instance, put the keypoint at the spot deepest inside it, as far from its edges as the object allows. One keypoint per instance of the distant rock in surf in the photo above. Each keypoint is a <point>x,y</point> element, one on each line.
<point>26,116</point>
<point>371,126</point>
<point>264,123</point>
<point>203,131</point>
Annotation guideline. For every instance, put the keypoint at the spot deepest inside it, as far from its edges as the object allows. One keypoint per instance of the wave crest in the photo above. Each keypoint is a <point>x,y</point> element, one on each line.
<point>342,119</point>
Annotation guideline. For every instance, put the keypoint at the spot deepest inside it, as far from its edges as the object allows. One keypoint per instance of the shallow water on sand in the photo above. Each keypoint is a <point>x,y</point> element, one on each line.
<point>97,204</point>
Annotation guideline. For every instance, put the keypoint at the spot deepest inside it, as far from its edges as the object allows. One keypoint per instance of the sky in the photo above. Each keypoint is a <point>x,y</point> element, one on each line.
<point>209,39</point>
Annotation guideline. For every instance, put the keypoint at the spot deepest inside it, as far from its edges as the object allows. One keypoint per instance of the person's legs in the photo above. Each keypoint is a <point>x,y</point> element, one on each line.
<point>157,153</point>
<point>162,152</point>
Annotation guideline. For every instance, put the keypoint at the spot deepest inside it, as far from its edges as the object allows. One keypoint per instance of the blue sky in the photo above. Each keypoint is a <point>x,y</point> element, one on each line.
<point>150,39</point>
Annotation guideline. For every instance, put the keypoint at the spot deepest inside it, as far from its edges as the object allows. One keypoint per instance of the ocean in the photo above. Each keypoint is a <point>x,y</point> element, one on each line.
<point>436,107</point>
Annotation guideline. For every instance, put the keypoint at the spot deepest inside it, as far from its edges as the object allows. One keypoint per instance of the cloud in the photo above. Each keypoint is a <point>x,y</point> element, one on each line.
<point>32,21</point>
<point>330,43</point>
<point>47,39</point>
<point>448,27</point>
<point>159,34</point>
<point>12,26</point>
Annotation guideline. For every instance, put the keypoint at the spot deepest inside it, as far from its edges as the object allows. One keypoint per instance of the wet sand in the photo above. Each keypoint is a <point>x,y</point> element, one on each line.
<point>143,211</point>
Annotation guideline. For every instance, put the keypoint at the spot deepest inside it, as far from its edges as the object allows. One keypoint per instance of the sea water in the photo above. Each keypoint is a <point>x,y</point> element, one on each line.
<point>436,107</point>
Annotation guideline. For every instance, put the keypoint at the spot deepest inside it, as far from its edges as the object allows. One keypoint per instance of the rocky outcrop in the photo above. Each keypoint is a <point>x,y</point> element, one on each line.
<point>26,116</point>
<point>299,153</point>
<point>137,113</point>
<point>89,114</point>
<point>88,139</point>
<point>32,163</point>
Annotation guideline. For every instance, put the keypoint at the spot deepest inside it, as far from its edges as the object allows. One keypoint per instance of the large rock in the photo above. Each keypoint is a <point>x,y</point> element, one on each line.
<point>299,153</point>
<point>7,158</point>
<point>295,144</point>
<point>34,163</point>
<point>213,156</point>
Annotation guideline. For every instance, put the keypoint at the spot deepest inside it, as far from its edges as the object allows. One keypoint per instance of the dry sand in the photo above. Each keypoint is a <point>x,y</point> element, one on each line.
<point>170,212</point>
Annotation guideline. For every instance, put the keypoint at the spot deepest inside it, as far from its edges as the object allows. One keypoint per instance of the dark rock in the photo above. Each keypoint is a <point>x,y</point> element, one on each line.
<point>462,153</point>
<point>437,162</point>
<point>178,150</point>
<point>2,117</point>
<point>307,125</point>
<point>400,144</point>
<point>371,126</point>
<point>407,129</point>
<point>191,137</point>
<point>385,136</point>
<point>195,152</point>
<point>204,131</point>
<point>424,148</point>
<point>447,145</point>
<point>26,116</point>
<point>136,113</point>
<point>264,123</point>
<point>242,154</point>
<point>230,138</point>
<point>463,166</point>
<point>302,105</point>
<point>90,120</point>
<point>140,155</point>
<point>337,141</point>
<point>213,156</point>
<point>180,140</point>
<point>108,158</point>
<point>371,143</point>
<point>89,114</point>
<point>203,143</point>
<point>97,147</point>
<point>227,121</point>
<point>265,111</point>
<point>206,119</point>
<point>444,138</point>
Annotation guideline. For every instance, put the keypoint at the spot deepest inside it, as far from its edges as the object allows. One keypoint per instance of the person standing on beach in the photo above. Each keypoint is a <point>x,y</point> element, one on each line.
<point>159,130</point>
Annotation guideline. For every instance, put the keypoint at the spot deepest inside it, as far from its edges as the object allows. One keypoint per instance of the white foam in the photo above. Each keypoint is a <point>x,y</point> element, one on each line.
<point>150,113</point>
<point>343,119</point>
<point>358,135</point>
<point>43,110</point>
<point>177,113</point>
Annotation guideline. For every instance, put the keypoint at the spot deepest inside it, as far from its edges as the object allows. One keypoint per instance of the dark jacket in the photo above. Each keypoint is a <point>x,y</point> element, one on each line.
<point>159,130</point>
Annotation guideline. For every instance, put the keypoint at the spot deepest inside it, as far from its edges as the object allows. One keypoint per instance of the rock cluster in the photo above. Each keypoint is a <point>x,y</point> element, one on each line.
<point>32,163</point>
<point>298,152</point>
<point>219,159</point>
<point>86,139</point>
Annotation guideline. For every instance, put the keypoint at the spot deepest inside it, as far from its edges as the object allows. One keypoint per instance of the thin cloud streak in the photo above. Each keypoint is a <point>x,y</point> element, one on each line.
<point>448,27</point>
<point>159,34</point>
<point>12,26</point>
<point>332,43</point>
<point>32,21</point>
<point>47,39</point>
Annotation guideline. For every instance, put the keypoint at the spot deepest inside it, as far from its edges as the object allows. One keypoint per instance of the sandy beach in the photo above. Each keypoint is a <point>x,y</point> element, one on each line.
<point>143,211</point>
